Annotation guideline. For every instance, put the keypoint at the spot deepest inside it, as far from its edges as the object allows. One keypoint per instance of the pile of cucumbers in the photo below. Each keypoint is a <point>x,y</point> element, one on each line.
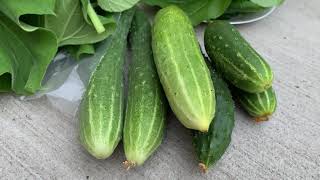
<point>168,69</point>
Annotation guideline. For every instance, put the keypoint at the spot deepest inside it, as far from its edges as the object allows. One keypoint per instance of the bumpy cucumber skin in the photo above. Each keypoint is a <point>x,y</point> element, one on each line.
<point>258,105</point>
<point>146,107</point>
<point>182,69</point>
<point>236,59</point>
<point>212,145</point>
<point>102,107</point>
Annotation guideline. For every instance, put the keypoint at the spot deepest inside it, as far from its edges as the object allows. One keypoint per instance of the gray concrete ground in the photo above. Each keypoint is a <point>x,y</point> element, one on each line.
<point>38,142</point>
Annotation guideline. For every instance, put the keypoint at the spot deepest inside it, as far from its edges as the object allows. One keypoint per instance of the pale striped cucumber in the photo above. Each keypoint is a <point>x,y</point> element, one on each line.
<point>146,107</point>
<point>233,56</point>
<point>258,105</point>
<point>182,69</point>
<point>211,146</point>
<point>102,107</point>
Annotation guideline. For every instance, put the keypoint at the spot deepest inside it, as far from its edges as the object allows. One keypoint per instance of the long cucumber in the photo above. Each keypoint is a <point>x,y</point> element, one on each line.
<point>102,107</point>
<point>212,145</point>
<point>182,69</point>
<point>146,107</point>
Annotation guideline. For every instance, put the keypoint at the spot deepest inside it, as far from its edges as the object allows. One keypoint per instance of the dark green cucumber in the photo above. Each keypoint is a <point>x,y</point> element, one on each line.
<point>258,105</point>
<point>146,107</point>
<point>102,107</point>
<point>212,145</point>
<point>236,59</point>
<point>182,69</point>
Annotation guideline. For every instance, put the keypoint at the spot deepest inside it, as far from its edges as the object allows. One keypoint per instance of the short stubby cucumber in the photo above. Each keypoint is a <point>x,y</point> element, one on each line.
<point>233,57</point>
<point>146,106</point>
<point>211,146</point>
<point>102,107</point>
<point>258,105</point>
<point>182,69</point>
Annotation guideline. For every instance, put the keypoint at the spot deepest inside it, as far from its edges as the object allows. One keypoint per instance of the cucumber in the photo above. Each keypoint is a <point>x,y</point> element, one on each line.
<point>146,106</point>
<point>258,105</point>
<point>102,107</point>
<point>182,69</point>
<point>236,59</point>
<point>212,145</point>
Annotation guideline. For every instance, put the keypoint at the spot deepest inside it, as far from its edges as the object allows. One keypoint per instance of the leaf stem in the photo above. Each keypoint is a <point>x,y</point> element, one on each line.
<point>95,19</point>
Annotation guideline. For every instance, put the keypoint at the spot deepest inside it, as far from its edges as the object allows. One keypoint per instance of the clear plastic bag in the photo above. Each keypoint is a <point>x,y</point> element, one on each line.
<point>66,79</point>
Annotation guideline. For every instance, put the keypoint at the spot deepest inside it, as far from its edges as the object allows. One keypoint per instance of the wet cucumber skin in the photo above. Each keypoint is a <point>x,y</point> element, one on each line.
<point>182,69</point>
<point>258,105</point>
<point>211,146</point>
<point>234,57</point>
<point>102,106</point>
<point>146,107</point>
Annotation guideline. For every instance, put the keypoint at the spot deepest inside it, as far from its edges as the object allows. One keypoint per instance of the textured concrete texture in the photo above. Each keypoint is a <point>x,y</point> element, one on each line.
<point>39,142</point>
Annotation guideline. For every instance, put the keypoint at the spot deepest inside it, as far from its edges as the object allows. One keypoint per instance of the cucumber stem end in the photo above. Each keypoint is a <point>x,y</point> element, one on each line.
<point>203,168</point>
<point>129,165</point>
<point>262,118</point>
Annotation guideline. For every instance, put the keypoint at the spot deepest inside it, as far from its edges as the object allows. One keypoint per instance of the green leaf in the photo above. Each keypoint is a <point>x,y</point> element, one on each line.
<point>197,10</point>
<point>14,9</point>
<point>268,3</point>
<point>117,5</point>
<point>70,26</point>
<point>24,56</point>
<point>5,82</point>
<point>243,6</point>
<point>78,51</point>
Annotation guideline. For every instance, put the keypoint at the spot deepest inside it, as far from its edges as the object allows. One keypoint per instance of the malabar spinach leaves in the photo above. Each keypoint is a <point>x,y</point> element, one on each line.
<point>70,26</point>
<point>24,56</point>
<point>31,32</point>
<point>117,5</point>
<point>198,10</point>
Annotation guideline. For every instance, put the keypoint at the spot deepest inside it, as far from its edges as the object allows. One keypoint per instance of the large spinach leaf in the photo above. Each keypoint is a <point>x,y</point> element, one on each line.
<point>267,3</point>
<point>117,5</point>
<point>14,9</point>
<point>24,56</point>
<point>243,6</point>
<point>197,10</point>
<point>70,26</point>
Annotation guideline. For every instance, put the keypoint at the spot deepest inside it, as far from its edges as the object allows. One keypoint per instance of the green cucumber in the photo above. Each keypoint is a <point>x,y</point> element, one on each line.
<point>102,107</point>
<point>212,145</point>
<point>182,69</point>
<point>258,105</point>
<point>146,107</point>
<point>233,57</point>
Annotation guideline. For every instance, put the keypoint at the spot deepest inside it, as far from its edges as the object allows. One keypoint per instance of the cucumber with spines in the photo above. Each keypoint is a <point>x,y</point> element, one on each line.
<point>234,57</point>
<point>146,106</point>
<point>259,105</point>
<point>182,69</point>
<point>102,106</point>
<point>211,146</point>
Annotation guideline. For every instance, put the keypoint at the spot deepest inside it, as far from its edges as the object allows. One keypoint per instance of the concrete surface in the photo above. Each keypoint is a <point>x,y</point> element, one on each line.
<point>38,142</point>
